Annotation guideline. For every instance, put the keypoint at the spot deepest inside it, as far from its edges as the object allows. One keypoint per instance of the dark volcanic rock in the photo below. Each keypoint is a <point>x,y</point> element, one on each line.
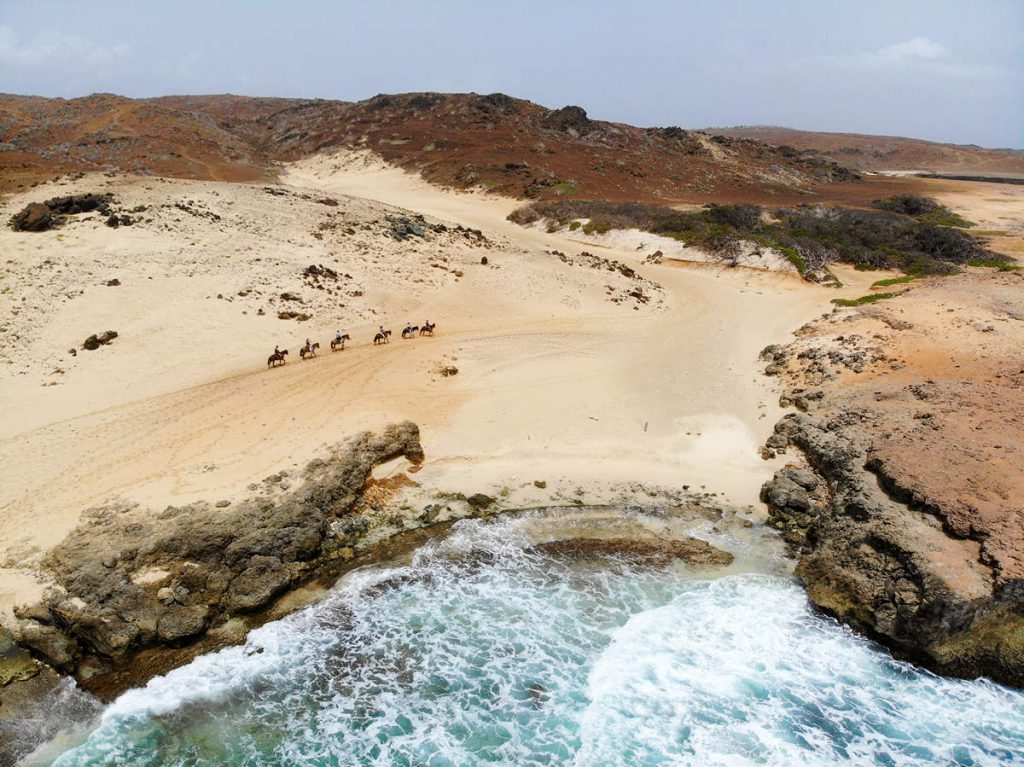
<point>34,217</point>
<point>80,203</point>
<point>95,341</point>
<point>566,119</point>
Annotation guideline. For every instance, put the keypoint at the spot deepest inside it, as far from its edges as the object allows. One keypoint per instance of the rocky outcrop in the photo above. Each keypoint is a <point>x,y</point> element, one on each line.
<point>39,216</point>
<point>34,217</point>
<point>693,551</point>
<point>907,517</point>
<point>896,573</point>
<point>131,579</point>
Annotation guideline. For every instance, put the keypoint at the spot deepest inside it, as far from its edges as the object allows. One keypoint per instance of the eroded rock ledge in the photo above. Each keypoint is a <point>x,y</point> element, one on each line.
<point>908,517</point>
<point>132,579</point>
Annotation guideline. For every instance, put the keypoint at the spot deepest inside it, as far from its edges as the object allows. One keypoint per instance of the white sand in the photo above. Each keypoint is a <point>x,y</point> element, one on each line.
<point>555,382</point>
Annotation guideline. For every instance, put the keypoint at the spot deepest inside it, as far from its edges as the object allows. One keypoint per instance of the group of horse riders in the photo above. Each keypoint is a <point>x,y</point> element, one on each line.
<point>382,337</point>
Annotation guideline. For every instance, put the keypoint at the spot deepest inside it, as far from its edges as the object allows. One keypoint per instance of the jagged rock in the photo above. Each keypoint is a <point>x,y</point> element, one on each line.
<point>81,203</point>
<point>258,584</point>
<point>404,227</point>
<point>179,623</point>
<point>570,119</point>
<point>222,560</point>
<point>34,217</point>
<point>691,550</point>
<point>34,612</point>
<point>480,501</point>
<point>165,596</point>
<point>16,664</point>
<point>892,572</point>
<point>95,341</point>
<point>51,644</point>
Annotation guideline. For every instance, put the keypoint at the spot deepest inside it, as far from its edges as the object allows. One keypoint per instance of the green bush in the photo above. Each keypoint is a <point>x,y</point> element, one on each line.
<point>907,204</point>
<point>1002,263</point>
<point>868,299</point>
<point>895,281</point>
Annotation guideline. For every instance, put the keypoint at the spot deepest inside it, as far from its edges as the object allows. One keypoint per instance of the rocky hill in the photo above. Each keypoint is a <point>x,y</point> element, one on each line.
<point>886,152</point>
<point>507,145</point>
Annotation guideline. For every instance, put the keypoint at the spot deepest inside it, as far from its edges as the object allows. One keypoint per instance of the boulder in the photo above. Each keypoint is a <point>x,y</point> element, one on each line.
<point>95,341</point>
<point>179,623</point>
<point>480,501</point>
<point>258,584</point>
<point>34,217</point>
<point>49,643</point>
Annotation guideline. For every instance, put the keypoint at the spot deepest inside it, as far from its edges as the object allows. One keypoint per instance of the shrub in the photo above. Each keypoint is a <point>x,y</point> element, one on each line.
<point>907,204</point>
<point>809,236</point>
<point>1002,263</point>
<point>894,281</point>
<point>868,299</point>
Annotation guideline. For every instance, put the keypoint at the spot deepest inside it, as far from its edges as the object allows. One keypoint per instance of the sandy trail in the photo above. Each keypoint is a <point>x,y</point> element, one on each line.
<point>555,383</point>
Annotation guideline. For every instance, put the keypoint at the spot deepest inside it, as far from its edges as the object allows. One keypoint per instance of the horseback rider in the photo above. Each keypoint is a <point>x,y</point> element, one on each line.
<point>277,352</point>
<point>408,328</point>
<point>381,331</point>
<point>337,337</point>
<point>309,346</point>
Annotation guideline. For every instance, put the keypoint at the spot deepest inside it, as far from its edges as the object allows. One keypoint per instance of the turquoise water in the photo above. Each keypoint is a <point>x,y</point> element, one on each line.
<point>483,651</point>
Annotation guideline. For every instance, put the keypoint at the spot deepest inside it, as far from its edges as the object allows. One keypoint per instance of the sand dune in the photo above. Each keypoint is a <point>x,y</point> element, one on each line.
<point>556,381</point>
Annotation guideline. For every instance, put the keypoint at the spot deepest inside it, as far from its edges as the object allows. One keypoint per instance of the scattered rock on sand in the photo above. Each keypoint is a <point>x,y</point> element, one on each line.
<point>480,501</point>
<point>95,341</point>
<point>34,217</point>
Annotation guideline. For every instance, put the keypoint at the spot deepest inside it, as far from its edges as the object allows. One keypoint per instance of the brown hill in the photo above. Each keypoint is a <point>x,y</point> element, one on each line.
<point>887,152</point>
<point>508,145</point>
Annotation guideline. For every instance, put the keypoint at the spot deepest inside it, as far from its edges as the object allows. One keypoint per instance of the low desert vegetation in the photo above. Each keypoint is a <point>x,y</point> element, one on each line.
<point>924,209</point>
<point>1001,263</point>
<point>810,236</point>
<point>868,299</point>
<point>895,281</point>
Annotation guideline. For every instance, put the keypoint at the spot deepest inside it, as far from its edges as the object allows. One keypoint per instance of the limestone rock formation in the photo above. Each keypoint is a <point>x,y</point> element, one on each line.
<point>210,562</point>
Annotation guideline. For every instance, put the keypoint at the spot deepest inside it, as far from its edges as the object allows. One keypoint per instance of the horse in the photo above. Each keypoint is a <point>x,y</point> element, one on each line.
<point>275,358</point>
<point>339,344</point>
<point>309,350</point>
<point>382,337</point>
<point>428,328</point>
<point>410,331</point>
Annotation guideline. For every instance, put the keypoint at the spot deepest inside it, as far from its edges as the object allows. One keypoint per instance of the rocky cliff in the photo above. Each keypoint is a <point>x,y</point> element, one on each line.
<point>908,516</point>
<point>131,579</point>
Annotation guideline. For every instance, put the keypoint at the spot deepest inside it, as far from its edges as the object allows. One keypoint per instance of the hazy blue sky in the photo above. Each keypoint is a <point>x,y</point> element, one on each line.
<point>943,70</point>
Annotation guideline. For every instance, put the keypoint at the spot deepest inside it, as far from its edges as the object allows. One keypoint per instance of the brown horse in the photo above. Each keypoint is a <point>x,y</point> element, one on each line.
<point>410,331</point>
<point>277,357</point>
<point>308,351</point>
<point>428,328</point>
<point>339,344</point>
<point>382,337</point>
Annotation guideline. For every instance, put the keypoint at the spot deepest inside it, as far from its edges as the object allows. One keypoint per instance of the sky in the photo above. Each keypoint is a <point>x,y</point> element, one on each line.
<point>939,70</point>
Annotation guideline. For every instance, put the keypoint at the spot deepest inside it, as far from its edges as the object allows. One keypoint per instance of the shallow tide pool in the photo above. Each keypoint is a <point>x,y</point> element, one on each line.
<point>485,651</point>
